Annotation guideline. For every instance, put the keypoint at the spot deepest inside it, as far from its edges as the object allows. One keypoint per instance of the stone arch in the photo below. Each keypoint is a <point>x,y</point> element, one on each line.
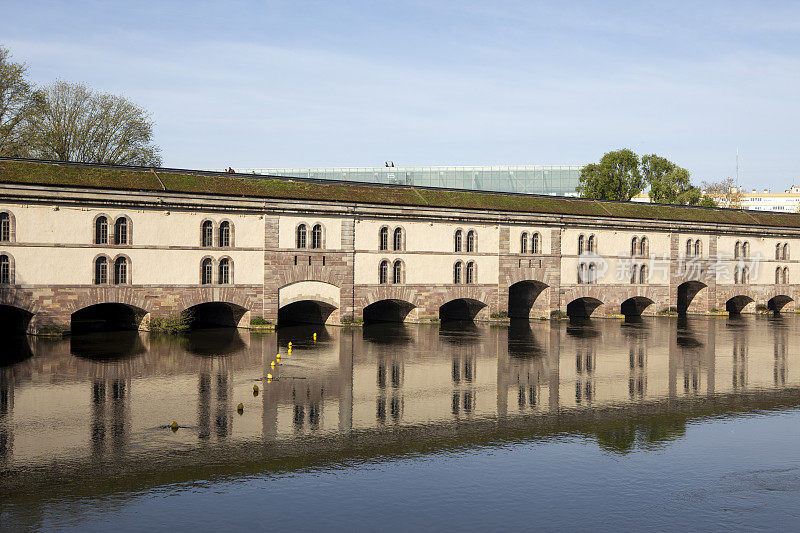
<point>583,307</point>
<point>735,305</point>
<point>460,309</point>
<point>776,303</point>
<point>387,310</point>
<point>686,294</point>
<point>635,306</point>
<point>310,302</point>
<point>522,296</point>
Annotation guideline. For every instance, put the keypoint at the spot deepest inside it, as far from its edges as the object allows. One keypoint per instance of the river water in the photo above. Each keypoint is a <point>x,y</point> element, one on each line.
<point>664,423</point>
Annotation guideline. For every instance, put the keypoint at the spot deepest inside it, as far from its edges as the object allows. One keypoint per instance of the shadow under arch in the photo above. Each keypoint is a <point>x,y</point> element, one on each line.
<point>735,305</point>
<point>633,307</point>
<point>214,315</point>
<point>521,297</point>
<point>106,346</point>
<point>16,349</point>
<point>776,303</point>
<point>582,307</point>
<point>390,310</point>
<point>463,309</point>
<point>112,316</point>
<point>686,293</point>
<point>305,312</point>
<point>14,320</point>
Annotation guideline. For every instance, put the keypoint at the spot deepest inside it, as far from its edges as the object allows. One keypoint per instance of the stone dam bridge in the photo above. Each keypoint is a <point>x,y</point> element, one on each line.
<point>88,246</point>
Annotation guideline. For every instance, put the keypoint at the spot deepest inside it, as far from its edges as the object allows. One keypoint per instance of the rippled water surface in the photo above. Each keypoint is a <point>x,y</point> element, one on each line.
<point>663,423</point>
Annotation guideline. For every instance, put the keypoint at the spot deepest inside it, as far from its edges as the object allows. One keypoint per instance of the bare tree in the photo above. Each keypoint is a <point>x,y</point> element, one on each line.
<point>71,122</point>
<point>16,102</point>
<point>724,192</point>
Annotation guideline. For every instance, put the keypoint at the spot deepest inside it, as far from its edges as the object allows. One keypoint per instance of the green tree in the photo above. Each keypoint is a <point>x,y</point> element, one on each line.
<point>615,177</point>
<point>71,122</point>
<point>669,183</point>
<point>17,99</point>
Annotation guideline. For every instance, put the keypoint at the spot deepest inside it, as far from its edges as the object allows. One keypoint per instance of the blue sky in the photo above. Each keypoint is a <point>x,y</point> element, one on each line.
<point>273,84</point>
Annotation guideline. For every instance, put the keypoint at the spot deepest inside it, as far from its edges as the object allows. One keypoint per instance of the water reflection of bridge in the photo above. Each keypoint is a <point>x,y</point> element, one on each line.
<point>388,389</point>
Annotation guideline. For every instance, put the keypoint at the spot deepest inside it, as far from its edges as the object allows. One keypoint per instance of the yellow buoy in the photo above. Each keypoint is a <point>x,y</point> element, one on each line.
<point>315,337</point>
<point>240,407</point>
<point>174,426</point>
<point>255,388</point>
<point>269,376</point>
<point>278,357</point>
<point>272,364</point>
<point>289,351</point>
<point>290,344</point>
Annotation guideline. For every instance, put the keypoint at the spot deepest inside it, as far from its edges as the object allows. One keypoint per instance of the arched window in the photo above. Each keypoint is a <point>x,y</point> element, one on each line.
<point>643,274</point>
<point>634,246</point>
<point>208,234</point>
<point>746,249</point>
<point>786,275</point>
<point>644,247</point>
<point>301,236</point>
<point>634,271</point>
<point>736,275</point>
<point>523,243</point>
<point>121,231</point>
<point>5,270</point>
<point>100,271</point>
<point>582,273</point>
<point>689,248</point>
<point>383,272</point>
<point>316,236</point>
<point>535,249</point>
<point>591,245</point>
<point>207,272</point>
<point>120,271</point>
<point>5,227</point>
<point>225,234</point>
<point>224,271</point>
<point>457,272</point>
<point>470,272</point>
<point>745,275</point>
<point>471,241</point>
<point>778,276</point>
<point>397,240</point>
<point>698,248</point>
<point>457,244</point>
<point>383,239</point>
<point>580,244</point>
<point>778,250</point>
<point>397,272</point>
<point>592,272</point>
<point>786,251</point>
<point>737,249</point>
<point>101,230</point>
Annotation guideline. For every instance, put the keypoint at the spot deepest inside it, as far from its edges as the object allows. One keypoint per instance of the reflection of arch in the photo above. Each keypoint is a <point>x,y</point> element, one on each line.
<point>215,315</point>
<point>522,342</point>
<point>521,297</point>
<point>460,309</point>
<point>583,307</point>
<point>14,320</point>
<point>214,343</point>
<point>307,302</point>
<point>106,317</point>
<point>108,346</point>
<point>634,306</point>
<point>686,293</point>
<point>776,303</point>
<point>390,310</point>
<point>735,305</point>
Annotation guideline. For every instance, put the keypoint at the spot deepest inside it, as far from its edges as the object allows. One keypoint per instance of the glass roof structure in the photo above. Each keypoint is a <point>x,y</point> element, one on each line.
<point>560,180</point>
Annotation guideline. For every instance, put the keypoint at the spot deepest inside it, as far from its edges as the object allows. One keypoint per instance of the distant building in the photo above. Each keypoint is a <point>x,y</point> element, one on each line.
<point>765,200</point>
<point>559,180</point>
